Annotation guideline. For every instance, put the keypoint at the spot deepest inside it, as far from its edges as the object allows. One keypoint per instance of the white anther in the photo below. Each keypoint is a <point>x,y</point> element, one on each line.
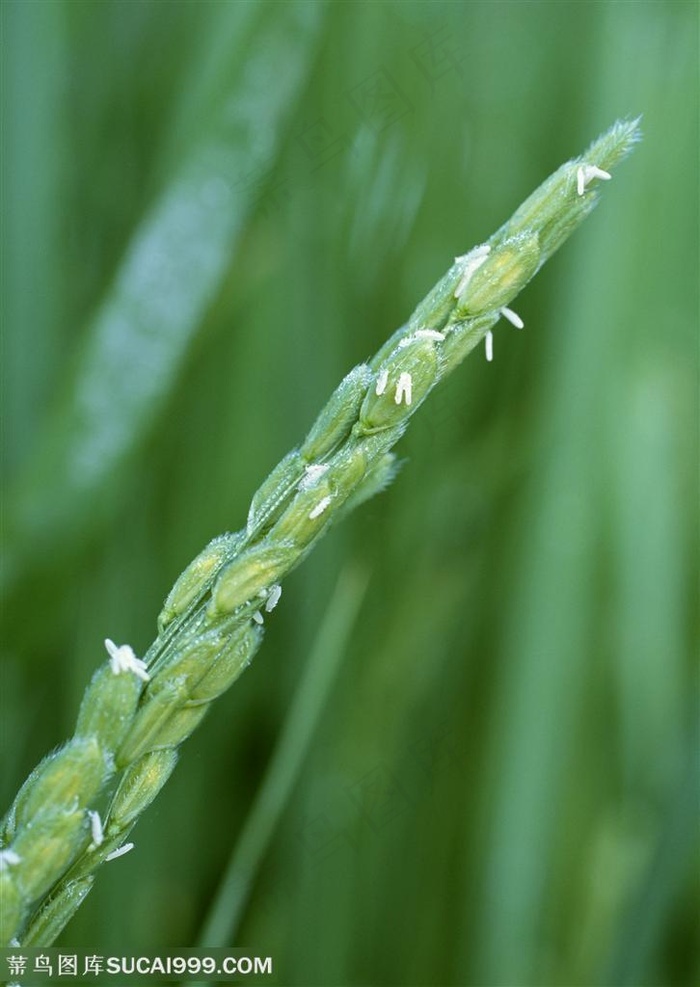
<point>96,829</point>
<point>258,617</point>
<point>313,473</point>
<point>123,659</point>
<point>586,173</point>
<point>512,317</point>
<point>120,851</point>
<point>8,858</point>
<point>273,597</point>
<point>404,389</point>
<point>472,262</point>
<point>429,334</point>
<point>489,345</point>
<point>382,381</point>
<point>483,250</point>
<point>437,337</point>
<point>319,508</point>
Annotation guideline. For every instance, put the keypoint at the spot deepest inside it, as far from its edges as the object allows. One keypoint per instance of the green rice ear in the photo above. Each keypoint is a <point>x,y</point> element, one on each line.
<point>137,711</point>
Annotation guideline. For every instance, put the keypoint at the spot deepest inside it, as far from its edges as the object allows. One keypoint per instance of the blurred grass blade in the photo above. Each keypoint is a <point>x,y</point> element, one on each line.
<point>222,922</point>
<point>673,867</point>
<point>140,335</point>
<point>33,170</point>
<point>549,639</point>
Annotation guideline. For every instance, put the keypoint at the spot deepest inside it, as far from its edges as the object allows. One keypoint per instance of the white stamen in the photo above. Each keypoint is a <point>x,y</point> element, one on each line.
<point>319,508</point>
<point>313,473</point>
<point>429,334</point>
<point>382,381</point>
<point>483,250</point>
<point>123,659</point>
<point>404,389</point>
<point>512,317</point>
<point>120,851</point>
<point>489,345</point>
<point>273,597</point>
<point>586,173</point>
<point>8,858</point>
<point>437,337</point>
<point>14,943</point>
<point>473,261</point>
<point>258,617</point>
<point>96,828</point>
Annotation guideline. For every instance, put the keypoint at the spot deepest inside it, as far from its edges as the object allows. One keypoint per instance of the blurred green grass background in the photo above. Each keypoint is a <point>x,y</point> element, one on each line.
<point>211,212</point>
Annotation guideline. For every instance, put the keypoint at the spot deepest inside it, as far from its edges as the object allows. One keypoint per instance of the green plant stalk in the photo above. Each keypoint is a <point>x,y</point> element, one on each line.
<point>224,914</point>
<point>77,808</point>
